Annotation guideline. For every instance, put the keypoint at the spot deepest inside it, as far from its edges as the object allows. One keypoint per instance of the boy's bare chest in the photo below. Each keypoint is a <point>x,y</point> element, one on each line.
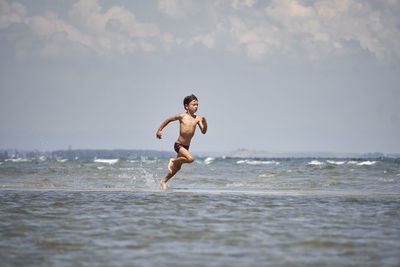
<point>188,121</point>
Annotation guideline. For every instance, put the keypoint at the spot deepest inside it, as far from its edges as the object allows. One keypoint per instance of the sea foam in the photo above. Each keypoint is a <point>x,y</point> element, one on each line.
<point>19,160</point>
<point>336,162</point>
<point>209,160</point>
<point>108,161</point>
<point>368,163</point>
<point>256,162</point>
<point>315,163</point>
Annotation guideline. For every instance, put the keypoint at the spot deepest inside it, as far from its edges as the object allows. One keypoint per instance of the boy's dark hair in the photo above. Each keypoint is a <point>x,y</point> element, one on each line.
<point>189,99</point>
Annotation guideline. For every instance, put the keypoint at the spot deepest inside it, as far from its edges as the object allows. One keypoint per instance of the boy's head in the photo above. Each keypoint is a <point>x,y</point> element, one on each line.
<point>189,99</point>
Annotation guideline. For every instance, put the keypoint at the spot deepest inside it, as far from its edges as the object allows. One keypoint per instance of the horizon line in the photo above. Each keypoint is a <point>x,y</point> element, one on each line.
<point>240,152</point>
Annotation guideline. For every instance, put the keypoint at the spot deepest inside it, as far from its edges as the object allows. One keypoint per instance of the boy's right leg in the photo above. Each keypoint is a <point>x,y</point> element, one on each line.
<point>184,156</point>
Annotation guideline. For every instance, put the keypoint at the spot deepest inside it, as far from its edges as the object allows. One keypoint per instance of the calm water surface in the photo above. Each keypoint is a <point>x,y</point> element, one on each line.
<point>218,212</point>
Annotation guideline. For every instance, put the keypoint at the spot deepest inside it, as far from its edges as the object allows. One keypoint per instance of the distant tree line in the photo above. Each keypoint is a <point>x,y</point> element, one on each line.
<point>87,154</point>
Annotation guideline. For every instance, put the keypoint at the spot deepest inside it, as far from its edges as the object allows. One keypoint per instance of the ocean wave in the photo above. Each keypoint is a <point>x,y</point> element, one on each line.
<point>256,162</point>
<point>42,158</point>
<point>368,163</point>
<point>108,161</point>
<point>246,185</point>
<point>336,162</point>
<point>269,175</point>
<point>149,161</point>
<point>386,180</point>
<point>362,163</point>
<point>268,185</point>
<point>126,176</point>
<point>333,162</point>
<point>316,163</point>
<point>19,160</point>
<point>209,160</point>
<point>129,168</point>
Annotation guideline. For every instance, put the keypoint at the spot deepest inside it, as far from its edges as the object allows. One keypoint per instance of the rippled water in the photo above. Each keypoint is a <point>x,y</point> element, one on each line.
<point>218,211</point>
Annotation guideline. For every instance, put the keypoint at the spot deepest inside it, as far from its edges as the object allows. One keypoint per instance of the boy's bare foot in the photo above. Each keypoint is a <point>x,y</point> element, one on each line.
<point>170,166</point>
<point>163,185</point>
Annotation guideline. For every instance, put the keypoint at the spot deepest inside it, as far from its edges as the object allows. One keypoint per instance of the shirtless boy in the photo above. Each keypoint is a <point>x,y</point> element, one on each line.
<point>188,122</point>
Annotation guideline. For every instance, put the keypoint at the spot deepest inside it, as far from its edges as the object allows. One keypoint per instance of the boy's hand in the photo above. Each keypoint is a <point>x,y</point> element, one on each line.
<point>159,134</point>
<point>204,121</point>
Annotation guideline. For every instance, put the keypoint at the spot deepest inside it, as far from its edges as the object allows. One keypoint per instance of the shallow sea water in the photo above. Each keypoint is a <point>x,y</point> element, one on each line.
<point>217,212</point>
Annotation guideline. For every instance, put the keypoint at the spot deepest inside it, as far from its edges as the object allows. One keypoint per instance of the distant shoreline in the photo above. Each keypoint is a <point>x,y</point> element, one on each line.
<point>244,153</point>
<point>137,153</point>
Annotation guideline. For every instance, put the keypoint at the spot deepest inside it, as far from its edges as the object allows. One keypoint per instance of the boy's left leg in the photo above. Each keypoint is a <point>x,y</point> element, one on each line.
<point>175,165</point>
<point>175,169</point>
<point>183,156</point>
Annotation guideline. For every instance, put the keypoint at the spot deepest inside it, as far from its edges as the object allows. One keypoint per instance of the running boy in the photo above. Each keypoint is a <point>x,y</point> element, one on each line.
<point>188,122</point>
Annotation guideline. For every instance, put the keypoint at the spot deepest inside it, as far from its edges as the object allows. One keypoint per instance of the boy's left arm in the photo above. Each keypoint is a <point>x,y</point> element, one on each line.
<point>203,125</point>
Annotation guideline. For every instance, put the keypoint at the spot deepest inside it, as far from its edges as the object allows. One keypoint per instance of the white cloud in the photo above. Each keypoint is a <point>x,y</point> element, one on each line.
<point>114,31</point>
<point>288,10</point>
<point>243,3</point>
<point>177,9</point>
<point>11,13</point>
<point>317,29</point>
<point>258,42</point>
<point>293,28</point>
<point>206,39</point>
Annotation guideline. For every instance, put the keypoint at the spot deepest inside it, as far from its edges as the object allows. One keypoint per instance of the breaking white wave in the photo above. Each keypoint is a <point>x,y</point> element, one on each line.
<point>18,160</point>
<point>368,163</point>
<point>108,161</point>
<point>352,162</point>
<point>315,163</point>
<point>256,162</point>
<point>336,162</point>
<point>363,163</point>
<point>209,160</point>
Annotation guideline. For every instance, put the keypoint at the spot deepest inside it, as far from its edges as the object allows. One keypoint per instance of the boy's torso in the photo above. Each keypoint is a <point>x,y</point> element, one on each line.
<point>187,128</point>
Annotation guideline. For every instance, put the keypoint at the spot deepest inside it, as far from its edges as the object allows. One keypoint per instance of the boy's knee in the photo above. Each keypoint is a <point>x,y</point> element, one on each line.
<point>190,159</point>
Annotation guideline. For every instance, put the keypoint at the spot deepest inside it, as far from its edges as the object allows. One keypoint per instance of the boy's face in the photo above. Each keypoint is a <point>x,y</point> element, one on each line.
<point>192,107</point>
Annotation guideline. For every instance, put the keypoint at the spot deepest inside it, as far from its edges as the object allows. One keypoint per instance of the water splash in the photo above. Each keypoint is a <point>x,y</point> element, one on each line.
<point>150,180</point>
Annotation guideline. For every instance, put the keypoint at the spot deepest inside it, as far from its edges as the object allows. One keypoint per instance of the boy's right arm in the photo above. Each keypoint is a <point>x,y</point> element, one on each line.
<point>159,131</point>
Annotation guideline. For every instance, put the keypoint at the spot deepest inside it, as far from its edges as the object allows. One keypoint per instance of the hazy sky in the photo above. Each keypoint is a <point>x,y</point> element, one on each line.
<point>280,75</point>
